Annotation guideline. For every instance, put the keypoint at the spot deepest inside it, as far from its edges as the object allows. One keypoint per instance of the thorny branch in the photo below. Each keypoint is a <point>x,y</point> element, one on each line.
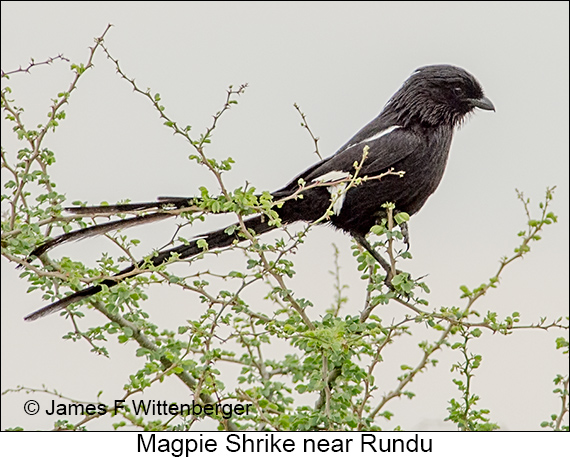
<point>32,64</point>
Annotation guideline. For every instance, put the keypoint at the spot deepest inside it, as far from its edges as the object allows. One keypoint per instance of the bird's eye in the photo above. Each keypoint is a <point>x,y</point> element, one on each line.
<point>458,90</point>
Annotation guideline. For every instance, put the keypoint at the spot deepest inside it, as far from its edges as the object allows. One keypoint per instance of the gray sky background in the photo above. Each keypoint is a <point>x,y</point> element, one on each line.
<point>340,62</point>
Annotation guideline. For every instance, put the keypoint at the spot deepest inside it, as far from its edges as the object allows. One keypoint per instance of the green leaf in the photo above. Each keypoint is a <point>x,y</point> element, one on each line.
<point>476,332</point>
<point>401,218</point>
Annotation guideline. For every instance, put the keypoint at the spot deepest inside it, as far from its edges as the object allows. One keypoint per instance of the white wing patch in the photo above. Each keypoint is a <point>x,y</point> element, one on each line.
<point>375,136</point>
<point>332,176</point>
<point>336,190</point>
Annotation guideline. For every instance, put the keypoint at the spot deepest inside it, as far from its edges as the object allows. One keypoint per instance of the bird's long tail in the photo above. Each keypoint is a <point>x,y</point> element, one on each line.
<point>160,209</point>
<point>160,203</point>
<point>216,239</point>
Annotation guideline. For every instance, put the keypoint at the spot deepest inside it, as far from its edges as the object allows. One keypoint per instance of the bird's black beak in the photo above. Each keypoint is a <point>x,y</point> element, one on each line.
<point>483,103</point>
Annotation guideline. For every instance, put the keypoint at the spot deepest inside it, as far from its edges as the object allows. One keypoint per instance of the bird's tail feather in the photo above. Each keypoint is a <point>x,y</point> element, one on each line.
<point>160,203</point>
<point>162,206</point>
<point>96,230</point>
<point>216,239</point>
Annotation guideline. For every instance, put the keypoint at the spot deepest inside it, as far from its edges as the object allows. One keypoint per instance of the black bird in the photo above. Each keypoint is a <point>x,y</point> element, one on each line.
<point>412,134</point>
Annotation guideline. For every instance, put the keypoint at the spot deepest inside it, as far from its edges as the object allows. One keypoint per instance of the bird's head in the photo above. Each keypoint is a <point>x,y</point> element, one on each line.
<point>438,94</point>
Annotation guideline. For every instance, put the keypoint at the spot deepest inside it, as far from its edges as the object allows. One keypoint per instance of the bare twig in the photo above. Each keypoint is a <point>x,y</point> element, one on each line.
<point>33,63</point>
<point>306,126</point>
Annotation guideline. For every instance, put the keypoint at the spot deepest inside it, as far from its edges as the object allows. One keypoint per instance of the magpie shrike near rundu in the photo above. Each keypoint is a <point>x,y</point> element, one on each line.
<point>412,134</point>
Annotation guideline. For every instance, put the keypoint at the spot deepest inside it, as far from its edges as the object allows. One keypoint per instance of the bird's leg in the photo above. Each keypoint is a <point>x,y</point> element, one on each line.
<point>383,263</point>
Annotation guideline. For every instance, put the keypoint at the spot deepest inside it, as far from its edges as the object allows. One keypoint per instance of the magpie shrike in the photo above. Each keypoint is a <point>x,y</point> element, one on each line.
<point>412,134</point>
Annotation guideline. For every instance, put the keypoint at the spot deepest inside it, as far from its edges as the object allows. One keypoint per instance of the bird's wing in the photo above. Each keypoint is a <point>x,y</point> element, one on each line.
<point>387,148</point>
